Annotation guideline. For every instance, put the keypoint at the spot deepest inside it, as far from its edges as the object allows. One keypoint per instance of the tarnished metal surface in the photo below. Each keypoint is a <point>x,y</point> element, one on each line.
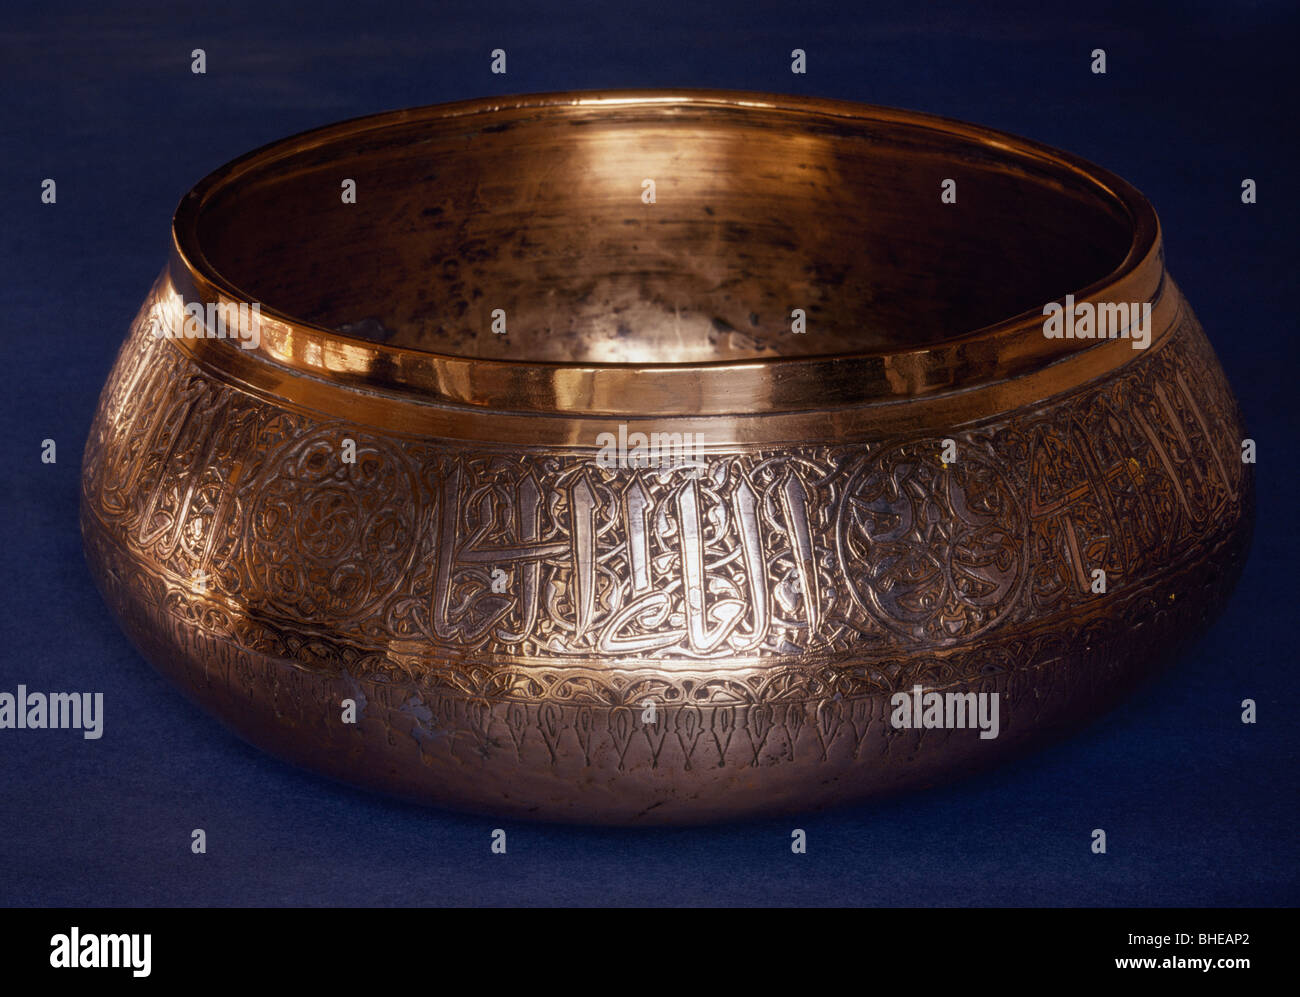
<point>416,516</point>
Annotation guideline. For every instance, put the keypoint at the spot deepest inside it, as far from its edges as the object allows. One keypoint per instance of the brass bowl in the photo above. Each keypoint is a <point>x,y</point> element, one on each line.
<point>382,538</point>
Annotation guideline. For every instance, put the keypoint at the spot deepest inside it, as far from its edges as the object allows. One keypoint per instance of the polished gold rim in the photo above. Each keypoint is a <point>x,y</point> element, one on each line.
<point>291,348</point>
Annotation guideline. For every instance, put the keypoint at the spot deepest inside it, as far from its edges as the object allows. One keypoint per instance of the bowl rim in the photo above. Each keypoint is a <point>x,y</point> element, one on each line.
<point>986,355</point>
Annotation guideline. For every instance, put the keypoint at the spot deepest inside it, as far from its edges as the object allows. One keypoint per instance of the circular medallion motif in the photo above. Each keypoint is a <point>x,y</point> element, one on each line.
<point>330,537</point>
<point>933,551</point>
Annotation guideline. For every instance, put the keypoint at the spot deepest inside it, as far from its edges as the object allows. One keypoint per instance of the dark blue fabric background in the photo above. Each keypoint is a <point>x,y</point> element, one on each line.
<point>1199,809</point>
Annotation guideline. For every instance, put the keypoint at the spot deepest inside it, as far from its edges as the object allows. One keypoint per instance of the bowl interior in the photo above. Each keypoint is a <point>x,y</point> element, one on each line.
<point>543,212</point>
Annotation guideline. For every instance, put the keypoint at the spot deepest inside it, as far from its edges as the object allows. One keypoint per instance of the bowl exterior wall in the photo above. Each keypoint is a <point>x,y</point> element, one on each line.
<point>526,631</point>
